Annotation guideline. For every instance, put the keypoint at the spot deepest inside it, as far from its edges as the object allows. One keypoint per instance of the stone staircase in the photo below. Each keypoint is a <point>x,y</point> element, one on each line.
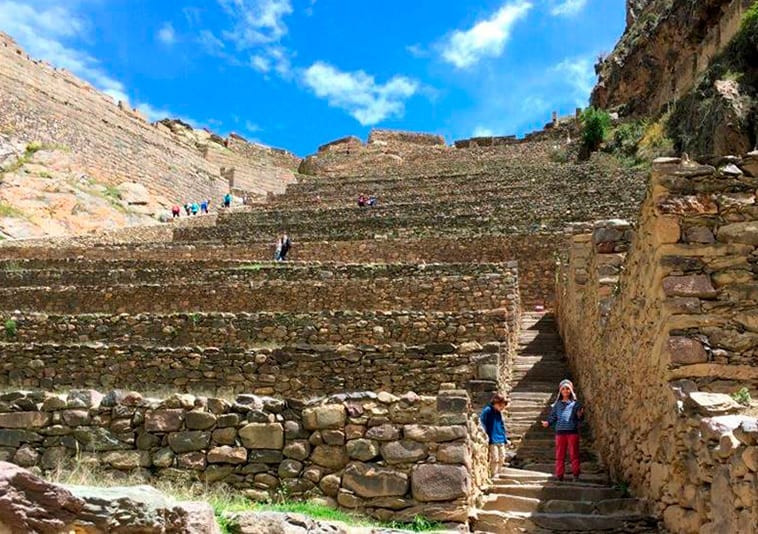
<point>525,497</point>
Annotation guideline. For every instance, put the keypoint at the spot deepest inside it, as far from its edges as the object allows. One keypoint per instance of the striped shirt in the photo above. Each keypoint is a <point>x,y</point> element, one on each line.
<point>564,416</point>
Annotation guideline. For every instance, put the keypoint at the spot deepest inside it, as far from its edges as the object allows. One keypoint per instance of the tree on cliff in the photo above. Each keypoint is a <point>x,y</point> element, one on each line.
<point>595,126</point>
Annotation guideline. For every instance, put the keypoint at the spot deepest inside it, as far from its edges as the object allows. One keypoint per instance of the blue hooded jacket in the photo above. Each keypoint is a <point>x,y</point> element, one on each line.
<point>493,424</point>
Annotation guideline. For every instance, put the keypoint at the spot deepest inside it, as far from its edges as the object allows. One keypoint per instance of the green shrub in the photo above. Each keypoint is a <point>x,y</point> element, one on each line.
<point>656,142</point>
<point>32,148</point>
<point>626,137</point>
<point>743,397</point>
<point>595,126</point>
<point>11,329</point>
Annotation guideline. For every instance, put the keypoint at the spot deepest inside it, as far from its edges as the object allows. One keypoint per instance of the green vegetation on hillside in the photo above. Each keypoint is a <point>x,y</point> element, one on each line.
<point>697,116</point>
<point>596,124</point>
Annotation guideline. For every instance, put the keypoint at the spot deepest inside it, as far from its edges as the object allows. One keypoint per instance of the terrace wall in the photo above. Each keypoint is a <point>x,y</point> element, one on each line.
<point>660,338</point>
<point>391,457</point>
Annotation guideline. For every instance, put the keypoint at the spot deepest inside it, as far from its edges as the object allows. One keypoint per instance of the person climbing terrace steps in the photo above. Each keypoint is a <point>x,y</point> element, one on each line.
<point>566,415</point>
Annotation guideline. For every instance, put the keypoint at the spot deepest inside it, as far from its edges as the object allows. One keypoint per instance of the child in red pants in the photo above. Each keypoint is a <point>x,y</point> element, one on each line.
<point>566,414</point>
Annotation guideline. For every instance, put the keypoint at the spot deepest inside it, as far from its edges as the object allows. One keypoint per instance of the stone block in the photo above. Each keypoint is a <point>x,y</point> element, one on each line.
<point>742,232</point>
<point>164,420</point>
<point>438,434</point>
<point>710,404</point>
<point>15,438</point>
<point>25,420</point>
<point>403,452</point>
<point>330,456</point>
<point>685,350</point>
<point>385,432</point>
<point>330,416</point>
<point>163,457</point>
<point>696,285</point>
<point>369,480</point>
<point>362,449</point>
<point>262,436</point>
<point>127,459</point>
<point>297,450</point>
<point>227,455</point>
<point>197,420</point>
<point>190,441</point>
<point>435,482</point>
<point>453,453</point>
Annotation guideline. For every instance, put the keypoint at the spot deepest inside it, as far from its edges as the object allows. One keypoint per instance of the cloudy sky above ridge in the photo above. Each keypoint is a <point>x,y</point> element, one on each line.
<point>299,73</point>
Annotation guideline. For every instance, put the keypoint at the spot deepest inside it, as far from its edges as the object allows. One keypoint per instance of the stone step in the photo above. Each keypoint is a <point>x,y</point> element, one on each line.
<point>549,491</point>
<point>496,522</point>
<point>548,467</point>
<point>532,477</point>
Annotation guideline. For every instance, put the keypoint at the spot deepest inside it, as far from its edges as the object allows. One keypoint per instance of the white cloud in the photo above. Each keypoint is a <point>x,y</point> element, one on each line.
<point>166,34</point>
<point>251,127</point>
<point>486,38</point>
<point>257,22</point>
<point>580,75</point>
<point>568,7</point>
<point>482,131</point>
<point>359,94</point>
<point>212,44</point>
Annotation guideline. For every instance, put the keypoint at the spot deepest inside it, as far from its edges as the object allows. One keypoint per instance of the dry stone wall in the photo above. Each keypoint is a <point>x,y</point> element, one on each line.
<point>248,290</point>
<point>114,144</point>
<point>287,371</point>
<point>249,329</point>
<point>659,330</point>
<point>391,457</point>
<point>536,275</point>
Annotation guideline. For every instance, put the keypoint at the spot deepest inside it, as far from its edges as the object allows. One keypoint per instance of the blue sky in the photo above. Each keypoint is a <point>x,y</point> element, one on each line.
<point>299,73</point>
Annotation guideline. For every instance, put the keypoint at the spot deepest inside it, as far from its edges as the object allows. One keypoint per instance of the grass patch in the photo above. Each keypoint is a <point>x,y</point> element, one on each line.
<point>12,267</point>
<point>743,397</point>
<point>11,328</point>
<point>6,210</point>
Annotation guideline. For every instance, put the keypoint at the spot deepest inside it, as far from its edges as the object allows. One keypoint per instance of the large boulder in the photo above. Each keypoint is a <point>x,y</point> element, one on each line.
<point>30,504</point>
<point>368,480</point>
<point>436,482</point>
<point>143,510</point>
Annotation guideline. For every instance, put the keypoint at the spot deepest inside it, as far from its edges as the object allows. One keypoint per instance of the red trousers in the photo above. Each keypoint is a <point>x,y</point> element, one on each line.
<point>563,442</point>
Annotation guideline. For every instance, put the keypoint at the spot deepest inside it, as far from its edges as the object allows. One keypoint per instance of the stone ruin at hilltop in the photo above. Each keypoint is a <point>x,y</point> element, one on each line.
<point>112,145</point>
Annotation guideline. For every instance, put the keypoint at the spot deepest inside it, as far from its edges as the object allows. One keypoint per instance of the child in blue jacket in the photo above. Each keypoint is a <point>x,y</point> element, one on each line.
<point>492,421</point>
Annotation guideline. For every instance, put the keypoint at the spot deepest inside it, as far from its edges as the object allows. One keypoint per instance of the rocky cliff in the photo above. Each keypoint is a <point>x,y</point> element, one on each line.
<point>693,61</point>
<point>84,142</point>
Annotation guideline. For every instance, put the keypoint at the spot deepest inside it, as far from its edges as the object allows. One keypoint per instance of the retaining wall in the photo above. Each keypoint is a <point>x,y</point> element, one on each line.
<point>289,371</point>
<point>660,338</point>
<point>391,457</point>
<point>536,254</point>
<point>246,329</point>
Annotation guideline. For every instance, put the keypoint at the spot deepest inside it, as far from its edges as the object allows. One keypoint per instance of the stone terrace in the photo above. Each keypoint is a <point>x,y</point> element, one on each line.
<point>422,293</point>
<point>113,143</point>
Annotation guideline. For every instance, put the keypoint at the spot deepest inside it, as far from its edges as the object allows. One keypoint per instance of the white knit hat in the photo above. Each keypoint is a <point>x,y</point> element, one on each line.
<point>566,383</point>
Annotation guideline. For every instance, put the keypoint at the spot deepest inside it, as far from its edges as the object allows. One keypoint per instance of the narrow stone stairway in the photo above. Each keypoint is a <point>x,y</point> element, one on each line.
<point>525,497</point>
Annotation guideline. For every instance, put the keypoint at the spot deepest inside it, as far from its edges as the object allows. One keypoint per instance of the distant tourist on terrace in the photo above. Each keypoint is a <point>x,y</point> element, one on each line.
<point>228,200</point>
<point>204,206</point>
<point>175,211</point>
<point>187,208</point>
<point>362,201</point>
<point>491,419</point>
<point>195,208</point>
<point>286,244</point>
<point>371,202</point>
